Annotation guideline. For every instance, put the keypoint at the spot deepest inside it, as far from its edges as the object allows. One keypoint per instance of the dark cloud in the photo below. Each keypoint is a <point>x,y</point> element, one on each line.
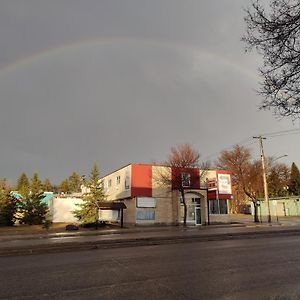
<point>122,81</point>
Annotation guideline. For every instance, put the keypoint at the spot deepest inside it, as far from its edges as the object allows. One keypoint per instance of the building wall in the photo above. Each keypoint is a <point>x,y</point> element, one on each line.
<point>214,219</point>
<point>61,209</point>
<point>117,185</point>
<point>281,207</point>
<point>141,180</point>
<point>130,211</point>
<point>162,192</point>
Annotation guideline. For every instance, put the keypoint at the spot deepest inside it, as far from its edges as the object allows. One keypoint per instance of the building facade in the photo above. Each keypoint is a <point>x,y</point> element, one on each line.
<point>152,194</point>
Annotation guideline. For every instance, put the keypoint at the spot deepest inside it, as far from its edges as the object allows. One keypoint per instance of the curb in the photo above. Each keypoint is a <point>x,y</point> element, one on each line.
<point>136,242</point>
<point>79,233</point>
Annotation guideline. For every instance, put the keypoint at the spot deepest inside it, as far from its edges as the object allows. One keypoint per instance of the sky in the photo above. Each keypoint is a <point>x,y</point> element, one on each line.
<point>115,82</point>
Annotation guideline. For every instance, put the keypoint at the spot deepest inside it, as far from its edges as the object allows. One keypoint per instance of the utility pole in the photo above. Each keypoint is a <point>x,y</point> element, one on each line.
<point>263,164</point>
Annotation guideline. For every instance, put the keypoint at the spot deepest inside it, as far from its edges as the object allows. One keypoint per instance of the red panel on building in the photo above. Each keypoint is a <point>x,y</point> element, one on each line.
<point>141,180</point>
<point>189,176</point>
<point>212,195</point>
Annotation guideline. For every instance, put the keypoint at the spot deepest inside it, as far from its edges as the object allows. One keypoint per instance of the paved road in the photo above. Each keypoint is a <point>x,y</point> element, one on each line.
<point>265,268</point>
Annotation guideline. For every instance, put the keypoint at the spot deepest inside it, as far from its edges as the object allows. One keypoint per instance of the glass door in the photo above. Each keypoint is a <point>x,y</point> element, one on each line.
<point>198,215</point>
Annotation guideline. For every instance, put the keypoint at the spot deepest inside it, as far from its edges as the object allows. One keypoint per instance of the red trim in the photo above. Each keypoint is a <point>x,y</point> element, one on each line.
<point>223,172</point>
<point>141,181</point>
<point>212,195</point>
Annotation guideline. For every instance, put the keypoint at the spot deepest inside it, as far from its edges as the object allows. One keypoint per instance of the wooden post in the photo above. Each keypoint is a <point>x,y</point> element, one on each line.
<point>121,217</point>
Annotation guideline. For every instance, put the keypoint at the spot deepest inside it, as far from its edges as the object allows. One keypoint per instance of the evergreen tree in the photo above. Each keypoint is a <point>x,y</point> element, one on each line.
<point>36,186</point>
<point>4,184</point>
<point>64,187</point>
<point>23,185</point>
<point>47,186</point>
<point>8,207</point>
<point>89,209</point>
<point>33,209</point>
<point>74,183</point>
<point>294,183</point>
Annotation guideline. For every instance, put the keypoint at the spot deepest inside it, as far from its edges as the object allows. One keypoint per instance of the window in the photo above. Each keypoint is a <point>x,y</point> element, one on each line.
<point>218,207</point>
<point>213,207</point>
<point>109,183</point>
<point>118,180</point>
<point>102,184</point>
<point>223,207</point>
<point>145,202</point>
<point>196,201</point>
<point>186,179</point>
<point>127,182</point>
<point>145,214</point>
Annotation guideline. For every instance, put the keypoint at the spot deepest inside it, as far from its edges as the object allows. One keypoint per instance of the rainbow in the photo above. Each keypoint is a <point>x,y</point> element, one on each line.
<point>92,42</point>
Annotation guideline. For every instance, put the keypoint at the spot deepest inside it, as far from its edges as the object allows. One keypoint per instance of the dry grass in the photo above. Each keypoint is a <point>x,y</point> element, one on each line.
<point>32,229</point>
<point>38,229</point>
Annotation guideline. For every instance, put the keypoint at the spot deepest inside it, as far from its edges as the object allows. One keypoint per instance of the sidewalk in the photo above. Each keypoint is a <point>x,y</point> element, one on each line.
<point>247,220</point>
<point>236,221</point>
<point>137,236</point>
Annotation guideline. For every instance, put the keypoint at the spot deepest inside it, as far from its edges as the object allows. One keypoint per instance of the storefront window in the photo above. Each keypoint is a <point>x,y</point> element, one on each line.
<point>218,207</point>
<point>223,207</point>
<point>213,207</point>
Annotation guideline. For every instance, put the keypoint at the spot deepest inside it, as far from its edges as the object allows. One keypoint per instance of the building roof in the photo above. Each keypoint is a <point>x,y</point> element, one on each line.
<point>111,205</point>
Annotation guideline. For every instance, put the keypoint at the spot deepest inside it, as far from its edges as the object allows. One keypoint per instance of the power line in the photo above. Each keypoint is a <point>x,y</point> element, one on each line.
<point>242,142</point>
<point>249,140</point>
<point>283,132</point>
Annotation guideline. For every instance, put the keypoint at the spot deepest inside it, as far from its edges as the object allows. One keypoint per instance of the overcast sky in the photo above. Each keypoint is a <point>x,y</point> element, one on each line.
<point>121,81</point>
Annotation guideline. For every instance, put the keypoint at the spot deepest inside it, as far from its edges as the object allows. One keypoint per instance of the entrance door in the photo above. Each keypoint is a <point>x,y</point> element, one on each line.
<point>198,215</point>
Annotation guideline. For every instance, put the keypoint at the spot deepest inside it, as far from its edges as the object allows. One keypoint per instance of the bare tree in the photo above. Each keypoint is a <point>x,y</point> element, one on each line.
<point>245,173</point>
<point>181,158</point>
<point>274,31</point>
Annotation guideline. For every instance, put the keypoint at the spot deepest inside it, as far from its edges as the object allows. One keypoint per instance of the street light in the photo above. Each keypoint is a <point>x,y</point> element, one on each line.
<point>285,155</point>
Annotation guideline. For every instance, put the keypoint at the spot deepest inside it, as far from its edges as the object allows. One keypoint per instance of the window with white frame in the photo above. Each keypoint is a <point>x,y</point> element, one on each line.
<point>143,202</point>
<point>145,214</point>
<point>118,180</point>
<point>186,179</point>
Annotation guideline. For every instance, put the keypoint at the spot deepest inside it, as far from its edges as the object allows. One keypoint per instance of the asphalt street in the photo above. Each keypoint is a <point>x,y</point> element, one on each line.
<point>264,268</point>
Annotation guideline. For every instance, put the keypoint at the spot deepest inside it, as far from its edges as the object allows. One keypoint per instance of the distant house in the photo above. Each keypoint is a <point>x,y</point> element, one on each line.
<point>280,206</point>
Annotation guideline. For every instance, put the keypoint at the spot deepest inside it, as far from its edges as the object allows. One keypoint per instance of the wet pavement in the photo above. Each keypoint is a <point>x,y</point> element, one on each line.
<point>242,226</point>
<point>260,269</point>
